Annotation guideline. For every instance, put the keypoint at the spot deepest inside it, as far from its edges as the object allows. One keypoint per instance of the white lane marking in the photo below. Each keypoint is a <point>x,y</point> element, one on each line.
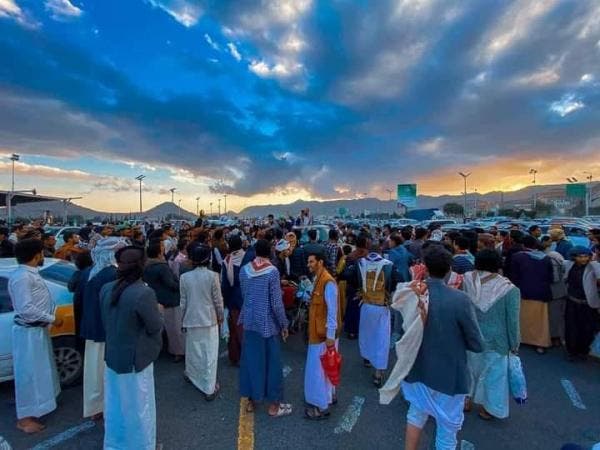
<point>223,354</point>
<point>286,371</point>
<point>466,445</point>
<point>65,435</point>
<point>573,394</point>
<point>351,416</point>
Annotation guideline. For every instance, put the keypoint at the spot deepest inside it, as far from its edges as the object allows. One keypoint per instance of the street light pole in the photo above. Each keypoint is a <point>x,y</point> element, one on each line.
<point>179,203</point>
<point>140,178</point>
<point>198,206</point>
<point>14,157</point>
<point>225,198</point>
<point>465,176</point>
<point>588,192</point>
<point>172,190</point>
<point>534,173</point>
<point>219,200</point>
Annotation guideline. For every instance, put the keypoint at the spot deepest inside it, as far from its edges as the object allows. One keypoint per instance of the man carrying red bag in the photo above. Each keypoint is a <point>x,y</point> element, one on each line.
<point>324,323</point>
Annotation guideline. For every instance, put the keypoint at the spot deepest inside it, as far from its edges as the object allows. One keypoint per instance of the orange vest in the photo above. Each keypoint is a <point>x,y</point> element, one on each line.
<point>317,311</point>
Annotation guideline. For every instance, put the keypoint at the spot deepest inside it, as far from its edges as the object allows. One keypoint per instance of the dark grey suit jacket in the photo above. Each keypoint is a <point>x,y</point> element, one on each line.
<point>451,329</point>
<point>133,327</point>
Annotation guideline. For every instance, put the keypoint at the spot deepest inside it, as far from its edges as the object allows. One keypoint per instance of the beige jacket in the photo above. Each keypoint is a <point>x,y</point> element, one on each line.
<point>201,298</point>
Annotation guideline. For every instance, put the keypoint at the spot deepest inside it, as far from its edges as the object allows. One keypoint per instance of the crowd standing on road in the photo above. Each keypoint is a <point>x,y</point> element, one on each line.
<point>456,305</point>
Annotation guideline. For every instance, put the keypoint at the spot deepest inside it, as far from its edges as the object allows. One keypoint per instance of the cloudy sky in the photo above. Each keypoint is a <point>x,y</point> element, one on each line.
<point>275,100</point>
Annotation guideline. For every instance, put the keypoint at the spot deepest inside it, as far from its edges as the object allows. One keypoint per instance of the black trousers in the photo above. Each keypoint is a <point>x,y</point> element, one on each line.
<point>581,324</point>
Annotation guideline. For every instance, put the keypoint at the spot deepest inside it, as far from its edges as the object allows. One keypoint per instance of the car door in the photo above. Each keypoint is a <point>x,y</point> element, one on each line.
<point>6,322</point>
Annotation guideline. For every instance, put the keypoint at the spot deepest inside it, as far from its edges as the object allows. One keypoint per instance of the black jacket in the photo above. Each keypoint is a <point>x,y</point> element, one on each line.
<point>133,328</point>
<point>159,276</point>
<point>91,316</point>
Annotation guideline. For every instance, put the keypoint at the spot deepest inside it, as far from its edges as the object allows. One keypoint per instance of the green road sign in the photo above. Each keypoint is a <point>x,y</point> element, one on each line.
<point>576,190</point>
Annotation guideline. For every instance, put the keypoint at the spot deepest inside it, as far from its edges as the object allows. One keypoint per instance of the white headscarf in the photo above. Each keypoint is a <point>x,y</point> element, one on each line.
<point>103,254</point>
<point>485,288</point>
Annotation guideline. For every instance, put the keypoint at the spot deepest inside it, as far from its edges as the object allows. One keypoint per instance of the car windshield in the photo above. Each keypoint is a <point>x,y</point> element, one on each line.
<point>61,272</point>
<point>51,230</point>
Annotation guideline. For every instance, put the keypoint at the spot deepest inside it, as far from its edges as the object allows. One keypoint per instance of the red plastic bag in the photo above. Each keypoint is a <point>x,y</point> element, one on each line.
<point>331,361</point>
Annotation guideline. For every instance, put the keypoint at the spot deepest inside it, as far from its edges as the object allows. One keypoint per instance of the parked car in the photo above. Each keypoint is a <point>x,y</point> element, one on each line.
<point>69,358</point>
<point>59,233</point>
<point>322,232</point>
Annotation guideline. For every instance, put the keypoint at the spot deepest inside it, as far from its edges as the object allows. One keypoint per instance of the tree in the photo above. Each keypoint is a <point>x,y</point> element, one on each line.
<point>453,209</point>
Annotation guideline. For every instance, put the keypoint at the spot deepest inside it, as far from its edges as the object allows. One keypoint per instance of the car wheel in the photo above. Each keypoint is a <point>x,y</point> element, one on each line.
<point>69,359</point>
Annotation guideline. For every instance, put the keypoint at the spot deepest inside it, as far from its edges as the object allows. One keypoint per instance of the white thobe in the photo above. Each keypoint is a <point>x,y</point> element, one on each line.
<point>374,335</point>
<point>93,378</point>
<point>36,378</point>
<point>318,390</point>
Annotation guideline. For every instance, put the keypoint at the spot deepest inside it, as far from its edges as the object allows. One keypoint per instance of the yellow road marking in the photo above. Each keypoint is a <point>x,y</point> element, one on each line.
<point>245,427</point>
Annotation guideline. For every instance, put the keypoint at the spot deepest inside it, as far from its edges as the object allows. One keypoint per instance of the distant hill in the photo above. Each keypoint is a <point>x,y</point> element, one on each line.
<point>374,205</point>
<point>520,198</point>
<point>57,209</point>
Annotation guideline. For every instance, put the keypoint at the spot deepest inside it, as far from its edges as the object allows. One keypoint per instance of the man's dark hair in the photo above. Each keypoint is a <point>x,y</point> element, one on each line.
<point>218,234</point>
<point>67,235</point>
<point>269,235</point>
<point>235,243</point>
<point>530,242</point>
<point>156,234</point>
<point>362,241</point>
<point>263,248</point>
<point>182,244</point>
<point>4,231</point>
<point>347,249</point>
<point>488,260</point>
<point>533,228</point>
<point>397,239</point>
<point>334,235</point>
<point>312,234</point>
<point>420,233</point>
<point>153,250</point>
<point>319,256</point>
<point>45,236</point>
<point>517,236</point>
<point>278,233</point>
<point>83,260</point>
<point>462,243</point>
<point>201,237</point>
<point>437,260</point>
<point>406,233</point>
<point>27,249</point>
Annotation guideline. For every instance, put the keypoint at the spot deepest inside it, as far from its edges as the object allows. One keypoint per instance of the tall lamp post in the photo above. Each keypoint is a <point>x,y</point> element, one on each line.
<point>140,178</point>
<point>197,206</point>
<point>465,176</point>
<point>66,202</point>
<point>172,190</point>
<point>211,203</point>
<point>534,173</point>
<point>179,204</point>
<point>219,200</point>
<point>14,157</point>
<point>225,200</point>
<point>588,192</point>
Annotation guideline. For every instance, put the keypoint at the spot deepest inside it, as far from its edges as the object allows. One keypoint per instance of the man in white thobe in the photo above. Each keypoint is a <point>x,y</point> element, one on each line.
<point>323,324</point>
<point>36,378</point>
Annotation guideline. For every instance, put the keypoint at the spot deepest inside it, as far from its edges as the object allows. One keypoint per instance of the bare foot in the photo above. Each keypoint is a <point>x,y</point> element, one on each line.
<point>30,425</point>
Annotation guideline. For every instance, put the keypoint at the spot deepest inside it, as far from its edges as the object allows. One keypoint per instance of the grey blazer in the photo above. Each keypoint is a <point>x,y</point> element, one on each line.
<point>451,329</point>
<point>133,327</point>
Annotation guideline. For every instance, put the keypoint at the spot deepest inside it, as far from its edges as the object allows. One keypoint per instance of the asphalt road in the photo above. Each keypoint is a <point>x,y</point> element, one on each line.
<point>186,421</point>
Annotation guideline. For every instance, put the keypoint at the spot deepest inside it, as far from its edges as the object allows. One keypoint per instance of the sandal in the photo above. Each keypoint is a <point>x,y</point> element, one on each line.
<point>367,363</point>
<point>284,409</point>
<point>484,415</point>
<point>250,407</point>
<point>315,413</point>
<point>211,397</point>
<point>468,405</point>
<point>334,400</point>
<point>540,351</point>
<point>378,381</point>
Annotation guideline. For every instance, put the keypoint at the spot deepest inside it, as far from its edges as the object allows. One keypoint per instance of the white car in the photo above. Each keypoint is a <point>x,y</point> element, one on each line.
<point>59,233</point>
<point>69,356</point>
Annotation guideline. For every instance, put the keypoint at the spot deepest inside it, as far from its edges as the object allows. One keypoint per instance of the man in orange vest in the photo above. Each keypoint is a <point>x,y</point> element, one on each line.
<point>324,323</point>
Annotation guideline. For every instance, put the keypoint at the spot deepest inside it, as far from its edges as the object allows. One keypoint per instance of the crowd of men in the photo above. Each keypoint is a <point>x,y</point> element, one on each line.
<point>487,293</point>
